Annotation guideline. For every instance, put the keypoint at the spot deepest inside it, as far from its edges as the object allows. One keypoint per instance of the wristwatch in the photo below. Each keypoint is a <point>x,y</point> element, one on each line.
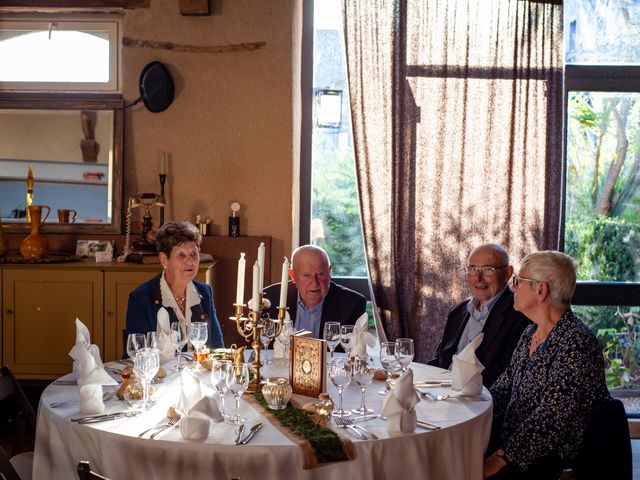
<point>502,454</point>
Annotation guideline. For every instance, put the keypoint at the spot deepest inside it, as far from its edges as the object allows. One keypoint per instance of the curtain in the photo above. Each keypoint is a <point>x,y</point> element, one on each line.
<point>457,110</point>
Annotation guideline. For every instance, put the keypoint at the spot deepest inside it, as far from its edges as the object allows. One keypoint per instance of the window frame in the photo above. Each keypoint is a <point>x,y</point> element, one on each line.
<point>109,24</point>
<point>598,78</point>
<point>359,284</point>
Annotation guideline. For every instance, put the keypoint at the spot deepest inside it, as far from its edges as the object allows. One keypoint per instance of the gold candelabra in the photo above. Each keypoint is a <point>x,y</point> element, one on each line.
<point>250,328</point>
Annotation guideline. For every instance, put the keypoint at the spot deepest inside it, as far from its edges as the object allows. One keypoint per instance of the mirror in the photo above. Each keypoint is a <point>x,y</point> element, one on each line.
<point>73,144</point>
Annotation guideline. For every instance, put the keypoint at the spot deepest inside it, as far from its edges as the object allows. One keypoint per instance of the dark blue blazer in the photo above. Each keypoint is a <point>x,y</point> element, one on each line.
<point>146,300</point>
<point>502,330</point>
<point>340,305</point>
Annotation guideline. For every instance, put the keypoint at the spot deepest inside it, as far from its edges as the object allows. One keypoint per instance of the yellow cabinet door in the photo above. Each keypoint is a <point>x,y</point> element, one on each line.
<point>38,318</point>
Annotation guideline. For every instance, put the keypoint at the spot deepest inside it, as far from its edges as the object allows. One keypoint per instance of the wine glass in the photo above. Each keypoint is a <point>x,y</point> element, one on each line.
<point>220,371</point>
<point>145,366</point>
<point>179,334</point>
<point>238,381</point>
<point>340,374</point>
<point>389,362</point>
<point>267,332</point>
<point>155,340</point>
<point>346,332</point>
<point>198,335</point>
<point>135,343</point>
<point>332,336</point>
<point>404,352</point>
<point>363,375</point>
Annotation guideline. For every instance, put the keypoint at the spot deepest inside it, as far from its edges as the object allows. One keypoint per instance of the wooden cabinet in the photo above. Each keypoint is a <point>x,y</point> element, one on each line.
<point>41,302</point>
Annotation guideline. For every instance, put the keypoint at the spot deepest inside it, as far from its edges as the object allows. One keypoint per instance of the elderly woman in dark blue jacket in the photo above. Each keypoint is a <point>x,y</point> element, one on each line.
<point>185,299</point>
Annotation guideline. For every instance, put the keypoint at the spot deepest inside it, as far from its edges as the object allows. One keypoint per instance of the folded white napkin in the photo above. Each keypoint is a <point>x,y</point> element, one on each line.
<point>361,338</point>
<point>164,331</point>
<point>198,410</point>
<point>83,342</point>
<point>466,369</point>
<point>90,372</point>
<point>399,405</point>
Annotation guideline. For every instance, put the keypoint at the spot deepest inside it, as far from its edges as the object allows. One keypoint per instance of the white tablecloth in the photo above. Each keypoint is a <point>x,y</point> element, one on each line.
<point>114,449</point>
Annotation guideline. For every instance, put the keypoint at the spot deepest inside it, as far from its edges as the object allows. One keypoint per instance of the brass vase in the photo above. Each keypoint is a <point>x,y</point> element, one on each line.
<point>35,245</point>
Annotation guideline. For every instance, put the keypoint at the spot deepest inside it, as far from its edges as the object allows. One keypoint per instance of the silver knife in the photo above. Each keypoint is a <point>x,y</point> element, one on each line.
<point>103,418</point>
<point>253,431</point>
<point>239,436</point>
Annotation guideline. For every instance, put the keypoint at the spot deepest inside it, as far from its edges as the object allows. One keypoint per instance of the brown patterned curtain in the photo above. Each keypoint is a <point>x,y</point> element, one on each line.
<point>457,109</point>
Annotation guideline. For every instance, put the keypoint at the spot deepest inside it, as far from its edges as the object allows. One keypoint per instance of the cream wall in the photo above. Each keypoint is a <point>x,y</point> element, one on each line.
<point>232,130</point>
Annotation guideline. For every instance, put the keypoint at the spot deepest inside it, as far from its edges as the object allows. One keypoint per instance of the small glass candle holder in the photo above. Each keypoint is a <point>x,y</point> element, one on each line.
<point>277,392</point>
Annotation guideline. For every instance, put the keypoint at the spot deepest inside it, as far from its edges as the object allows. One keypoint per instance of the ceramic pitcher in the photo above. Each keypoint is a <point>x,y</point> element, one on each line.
<point>35,245</point>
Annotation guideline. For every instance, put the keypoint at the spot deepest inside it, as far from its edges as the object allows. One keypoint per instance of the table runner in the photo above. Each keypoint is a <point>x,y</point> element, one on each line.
<point>327,447</point>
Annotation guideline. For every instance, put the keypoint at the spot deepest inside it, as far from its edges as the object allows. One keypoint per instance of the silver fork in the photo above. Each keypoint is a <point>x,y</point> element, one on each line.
<point>172,421</point>
<point>72,401</point>
<point>349,422</point>
<point>341,423</point>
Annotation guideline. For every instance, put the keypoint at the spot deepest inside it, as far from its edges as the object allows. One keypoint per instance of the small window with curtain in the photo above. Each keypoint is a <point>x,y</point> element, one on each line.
<point>59,55</point>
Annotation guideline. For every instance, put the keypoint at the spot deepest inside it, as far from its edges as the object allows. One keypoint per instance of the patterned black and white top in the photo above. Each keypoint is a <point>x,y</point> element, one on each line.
<point>544,401</point>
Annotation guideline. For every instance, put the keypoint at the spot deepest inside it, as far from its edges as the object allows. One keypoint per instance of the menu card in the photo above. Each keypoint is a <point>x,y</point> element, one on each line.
<point>308,366</point>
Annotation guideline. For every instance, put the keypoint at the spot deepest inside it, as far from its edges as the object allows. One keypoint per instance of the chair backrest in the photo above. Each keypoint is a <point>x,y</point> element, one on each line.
<point>10,389</point>
<point>85,473</point>
<point>7,472</point>
<point>607,445</point>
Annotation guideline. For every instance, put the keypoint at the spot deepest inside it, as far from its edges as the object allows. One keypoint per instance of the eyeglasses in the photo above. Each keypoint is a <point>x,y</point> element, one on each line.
<point>485,271</point>
<point>515,281</point>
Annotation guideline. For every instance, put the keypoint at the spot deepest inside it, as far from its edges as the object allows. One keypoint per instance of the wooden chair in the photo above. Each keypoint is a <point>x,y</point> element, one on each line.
<point>85,473</point>
<point>10,390</point>
<point>7,472</point>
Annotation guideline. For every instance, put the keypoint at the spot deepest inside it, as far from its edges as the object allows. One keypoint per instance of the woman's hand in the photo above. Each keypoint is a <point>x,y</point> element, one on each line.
<point>493,465</point>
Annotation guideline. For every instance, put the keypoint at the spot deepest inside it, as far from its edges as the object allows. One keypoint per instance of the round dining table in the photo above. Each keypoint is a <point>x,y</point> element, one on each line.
<point>114,449</point>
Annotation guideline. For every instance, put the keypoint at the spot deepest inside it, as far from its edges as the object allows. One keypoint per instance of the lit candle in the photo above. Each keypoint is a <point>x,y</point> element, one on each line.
<point>163,163</point>
<point>240,288</point>
<point>255,300</point>
<point>261,265</point>
<point>284,284</point>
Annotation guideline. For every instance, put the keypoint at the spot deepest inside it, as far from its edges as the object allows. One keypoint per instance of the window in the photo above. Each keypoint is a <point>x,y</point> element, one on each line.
<point>602,199</point>
<point>59,55</point>
<point>329,187</point>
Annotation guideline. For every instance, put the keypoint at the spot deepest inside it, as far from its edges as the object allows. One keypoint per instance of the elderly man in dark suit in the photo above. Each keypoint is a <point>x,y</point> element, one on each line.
<point>489,310</point>
<point>313,299</point>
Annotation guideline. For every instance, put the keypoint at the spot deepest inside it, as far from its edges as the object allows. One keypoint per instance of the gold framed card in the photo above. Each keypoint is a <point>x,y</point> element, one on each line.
<point>308,366</point>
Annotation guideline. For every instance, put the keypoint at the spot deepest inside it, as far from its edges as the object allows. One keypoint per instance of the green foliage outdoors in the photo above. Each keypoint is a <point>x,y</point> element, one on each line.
<point>335,202</point>
<point>602,227</point>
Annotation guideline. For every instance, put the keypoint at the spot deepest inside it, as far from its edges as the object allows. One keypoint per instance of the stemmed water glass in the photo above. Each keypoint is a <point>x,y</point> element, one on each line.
<point>198,335</point>
<point>267,333</point>
<point>332,336</point>
<point>238,381</point>
<point>135,343</point>
<point>388,361</point>
<point>363,375</point>
<point>145,366</point>
<point>220,371</point>
<point>179,334</point>
<point>155,340</point>
<point>340,374</point>
<point>404,352</point>
<point>346,332</point>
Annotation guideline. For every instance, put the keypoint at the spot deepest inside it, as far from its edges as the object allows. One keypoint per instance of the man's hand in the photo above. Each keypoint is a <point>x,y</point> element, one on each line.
<point>493,465</point>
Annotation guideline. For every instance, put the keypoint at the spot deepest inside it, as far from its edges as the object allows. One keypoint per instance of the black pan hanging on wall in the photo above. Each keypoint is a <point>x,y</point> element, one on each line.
<point>156,87</point>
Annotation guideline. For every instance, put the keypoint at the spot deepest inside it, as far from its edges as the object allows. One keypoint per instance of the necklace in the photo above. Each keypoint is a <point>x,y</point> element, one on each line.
<point>180,301</point>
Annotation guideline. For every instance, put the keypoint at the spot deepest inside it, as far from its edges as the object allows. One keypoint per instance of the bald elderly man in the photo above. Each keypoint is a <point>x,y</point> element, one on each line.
<point>312,298</point>
<point>489,310</point>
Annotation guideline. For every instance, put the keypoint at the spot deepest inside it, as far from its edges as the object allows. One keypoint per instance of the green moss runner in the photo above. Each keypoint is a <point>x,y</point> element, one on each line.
<point>326,445</point>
